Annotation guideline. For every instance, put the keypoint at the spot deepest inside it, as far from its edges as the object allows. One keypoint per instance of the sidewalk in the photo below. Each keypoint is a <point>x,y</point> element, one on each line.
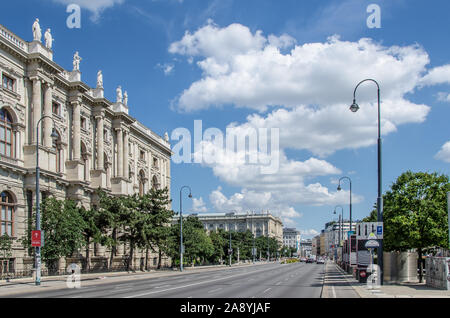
<point>392,291</point>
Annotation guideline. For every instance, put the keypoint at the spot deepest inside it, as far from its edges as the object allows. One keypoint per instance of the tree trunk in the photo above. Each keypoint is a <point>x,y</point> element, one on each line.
<point>146,259</point>
<point>88,256</point>
<point>113,249</point>
<point>420,265</point>
<point>130,259</point>
<point>159,258</point>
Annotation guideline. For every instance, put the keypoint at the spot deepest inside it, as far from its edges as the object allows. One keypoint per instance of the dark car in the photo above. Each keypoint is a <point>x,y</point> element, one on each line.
<point>310,260</point>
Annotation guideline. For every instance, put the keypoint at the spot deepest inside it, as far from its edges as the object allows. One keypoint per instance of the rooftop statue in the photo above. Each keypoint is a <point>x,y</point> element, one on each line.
<point>76,61</point>
<point>99,79</point>
<point>119,94</point>
<point>48,39</point>
<point>125,98</point>
<point>37,34</point>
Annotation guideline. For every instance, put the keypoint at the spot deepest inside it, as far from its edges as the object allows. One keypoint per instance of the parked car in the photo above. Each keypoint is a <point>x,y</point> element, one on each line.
<point>320,261</point>
<point>310,260</point>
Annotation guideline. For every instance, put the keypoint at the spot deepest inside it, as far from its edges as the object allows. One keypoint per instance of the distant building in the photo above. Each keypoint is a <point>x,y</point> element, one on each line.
<point>305,248</point>
<point>292,238</point>
<point>260,224</point>
<point>334,233</point>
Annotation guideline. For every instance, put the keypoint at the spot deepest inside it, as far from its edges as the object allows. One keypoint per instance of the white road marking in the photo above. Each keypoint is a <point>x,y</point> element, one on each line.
<point>266,290</point>
<point>334,291</point>
<point>214,290</point>
<point>190,285</point>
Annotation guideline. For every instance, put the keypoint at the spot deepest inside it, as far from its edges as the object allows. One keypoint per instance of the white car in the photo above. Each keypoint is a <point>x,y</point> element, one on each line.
<point>320,261</point>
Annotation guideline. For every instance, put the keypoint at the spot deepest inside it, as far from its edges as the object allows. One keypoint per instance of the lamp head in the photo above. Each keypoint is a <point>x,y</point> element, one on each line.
<point>54,134</point>
<point>190,195</point>
<point>339,188</point>
<point>355,107</point>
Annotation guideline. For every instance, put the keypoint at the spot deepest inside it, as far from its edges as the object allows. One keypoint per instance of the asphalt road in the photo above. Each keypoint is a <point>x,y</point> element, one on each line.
<point>274,280</point>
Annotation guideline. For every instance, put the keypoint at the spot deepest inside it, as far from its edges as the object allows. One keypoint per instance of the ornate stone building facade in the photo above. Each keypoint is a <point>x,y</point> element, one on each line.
<point>98,143</point>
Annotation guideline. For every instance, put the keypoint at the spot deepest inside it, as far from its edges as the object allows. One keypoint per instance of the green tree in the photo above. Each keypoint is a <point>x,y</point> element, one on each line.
<point>415,213</point>
<point>91,231</point>
<point>220,245</point>
<point>63,227</point>
<point>159,232</point>
<point>373,217</point>
<point>109,219</point>
<point>5,250</point>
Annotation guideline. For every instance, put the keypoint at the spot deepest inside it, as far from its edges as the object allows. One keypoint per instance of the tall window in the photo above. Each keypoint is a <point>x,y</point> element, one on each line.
<point>57,148</point>
<point>7,213</point>
<point>6,134</point>
<point>141,183</point>
<point>56,108</point>
<point>7,82</point>
<point>155,183</point>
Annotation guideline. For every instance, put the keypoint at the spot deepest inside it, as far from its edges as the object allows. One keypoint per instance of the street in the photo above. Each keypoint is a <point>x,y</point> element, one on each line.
<point>273,280</point>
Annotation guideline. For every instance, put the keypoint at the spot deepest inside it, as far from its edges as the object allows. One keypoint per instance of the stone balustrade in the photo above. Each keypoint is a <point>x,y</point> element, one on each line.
<point>6,34</point>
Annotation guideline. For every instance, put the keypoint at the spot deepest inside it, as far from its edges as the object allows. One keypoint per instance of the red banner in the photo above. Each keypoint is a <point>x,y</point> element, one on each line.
<point>36,239</point>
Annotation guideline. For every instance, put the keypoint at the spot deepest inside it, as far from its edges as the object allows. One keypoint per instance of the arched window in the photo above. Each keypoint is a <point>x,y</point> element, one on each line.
<point>57,147</point>
<point>155,183</point>
<point>141,183</point>
<point>7,213</point>
<point>84,158</point>
<point>6,134</point>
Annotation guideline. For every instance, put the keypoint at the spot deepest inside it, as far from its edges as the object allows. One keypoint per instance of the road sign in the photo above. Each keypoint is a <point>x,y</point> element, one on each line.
<point>364,229</point>
<point>254,251</point>
<point>372,236</point>
<point>372,244</point>
<point>36,239</point>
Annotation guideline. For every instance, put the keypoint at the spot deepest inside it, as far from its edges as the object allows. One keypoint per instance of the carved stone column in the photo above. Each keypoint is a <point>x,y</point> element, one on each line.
<point>48,112</point>
<point>119,152</point>
<point>76,131</point>
<point>100,143</point>
<point>125,155</point>
<point>37,104</point>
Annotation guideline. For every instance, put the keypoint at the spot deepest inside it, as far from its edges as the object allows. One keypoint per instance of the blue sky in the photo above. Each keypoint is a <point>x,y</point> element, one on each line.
<point>285,64</point>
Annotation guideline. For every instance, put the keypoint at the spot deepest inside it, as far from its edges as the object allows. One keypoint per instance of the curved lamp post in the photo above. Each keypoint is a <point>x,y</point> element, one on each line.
<point>354,108</point>
<point>181,224</point>
<point>339,189</point>
<point>341,220</point>
<point>38,214</point>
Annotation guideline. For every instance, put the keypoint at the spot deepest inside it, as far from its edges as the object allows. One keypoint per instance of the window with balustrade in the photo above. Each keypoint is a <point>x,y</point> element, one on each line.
<point>6,134</point>
<point>7,214</point>
<point>7,82</point>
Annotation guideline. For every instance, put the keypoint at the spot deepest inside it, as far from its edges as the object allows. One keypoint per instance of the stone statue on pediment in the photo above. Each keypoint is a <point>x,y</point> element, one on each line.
<point>119,94</point>
<point>166,137</point>
<point>48,39</point>
<point>37,34</point>
<point>76,61</point>
<point>125,98</point>
<point>99,79</point>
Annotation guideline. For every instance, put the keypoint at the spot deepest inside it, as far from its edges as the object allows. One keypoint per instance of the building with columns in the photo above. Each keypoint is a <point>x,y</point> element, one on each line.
<point>98,144</point>
<point>260,224</point>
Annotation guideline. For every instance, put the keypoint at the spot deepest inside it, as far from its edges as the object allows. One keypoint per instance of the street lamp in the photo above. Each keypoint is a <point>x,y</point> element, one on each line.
<point>181,225</point>
<point>339,189</point>
<point>354,108</point>
<point>54,135</point>
<point>340,221</point>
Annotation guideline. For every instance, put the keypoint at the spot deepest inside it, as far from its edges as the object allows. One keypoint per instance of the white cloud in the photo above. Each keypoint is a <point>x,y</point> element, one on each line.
<point>247,69</point>
<point>444,153</point>
<point>96,7</point>
<point>309,233</point>
<point>444,97</point>
<point>198,205</point>
<point>437,75</point>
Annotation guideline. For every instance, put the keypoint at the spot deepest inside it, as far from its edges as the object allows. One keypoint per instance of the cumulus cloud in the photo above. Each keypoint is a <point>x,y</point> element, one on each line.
<point>305,91</point>
<point>309,233</point>
<point>247,69</point>
<point>198,205</point>
<point>96,7</point>
<point>444,153</point>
